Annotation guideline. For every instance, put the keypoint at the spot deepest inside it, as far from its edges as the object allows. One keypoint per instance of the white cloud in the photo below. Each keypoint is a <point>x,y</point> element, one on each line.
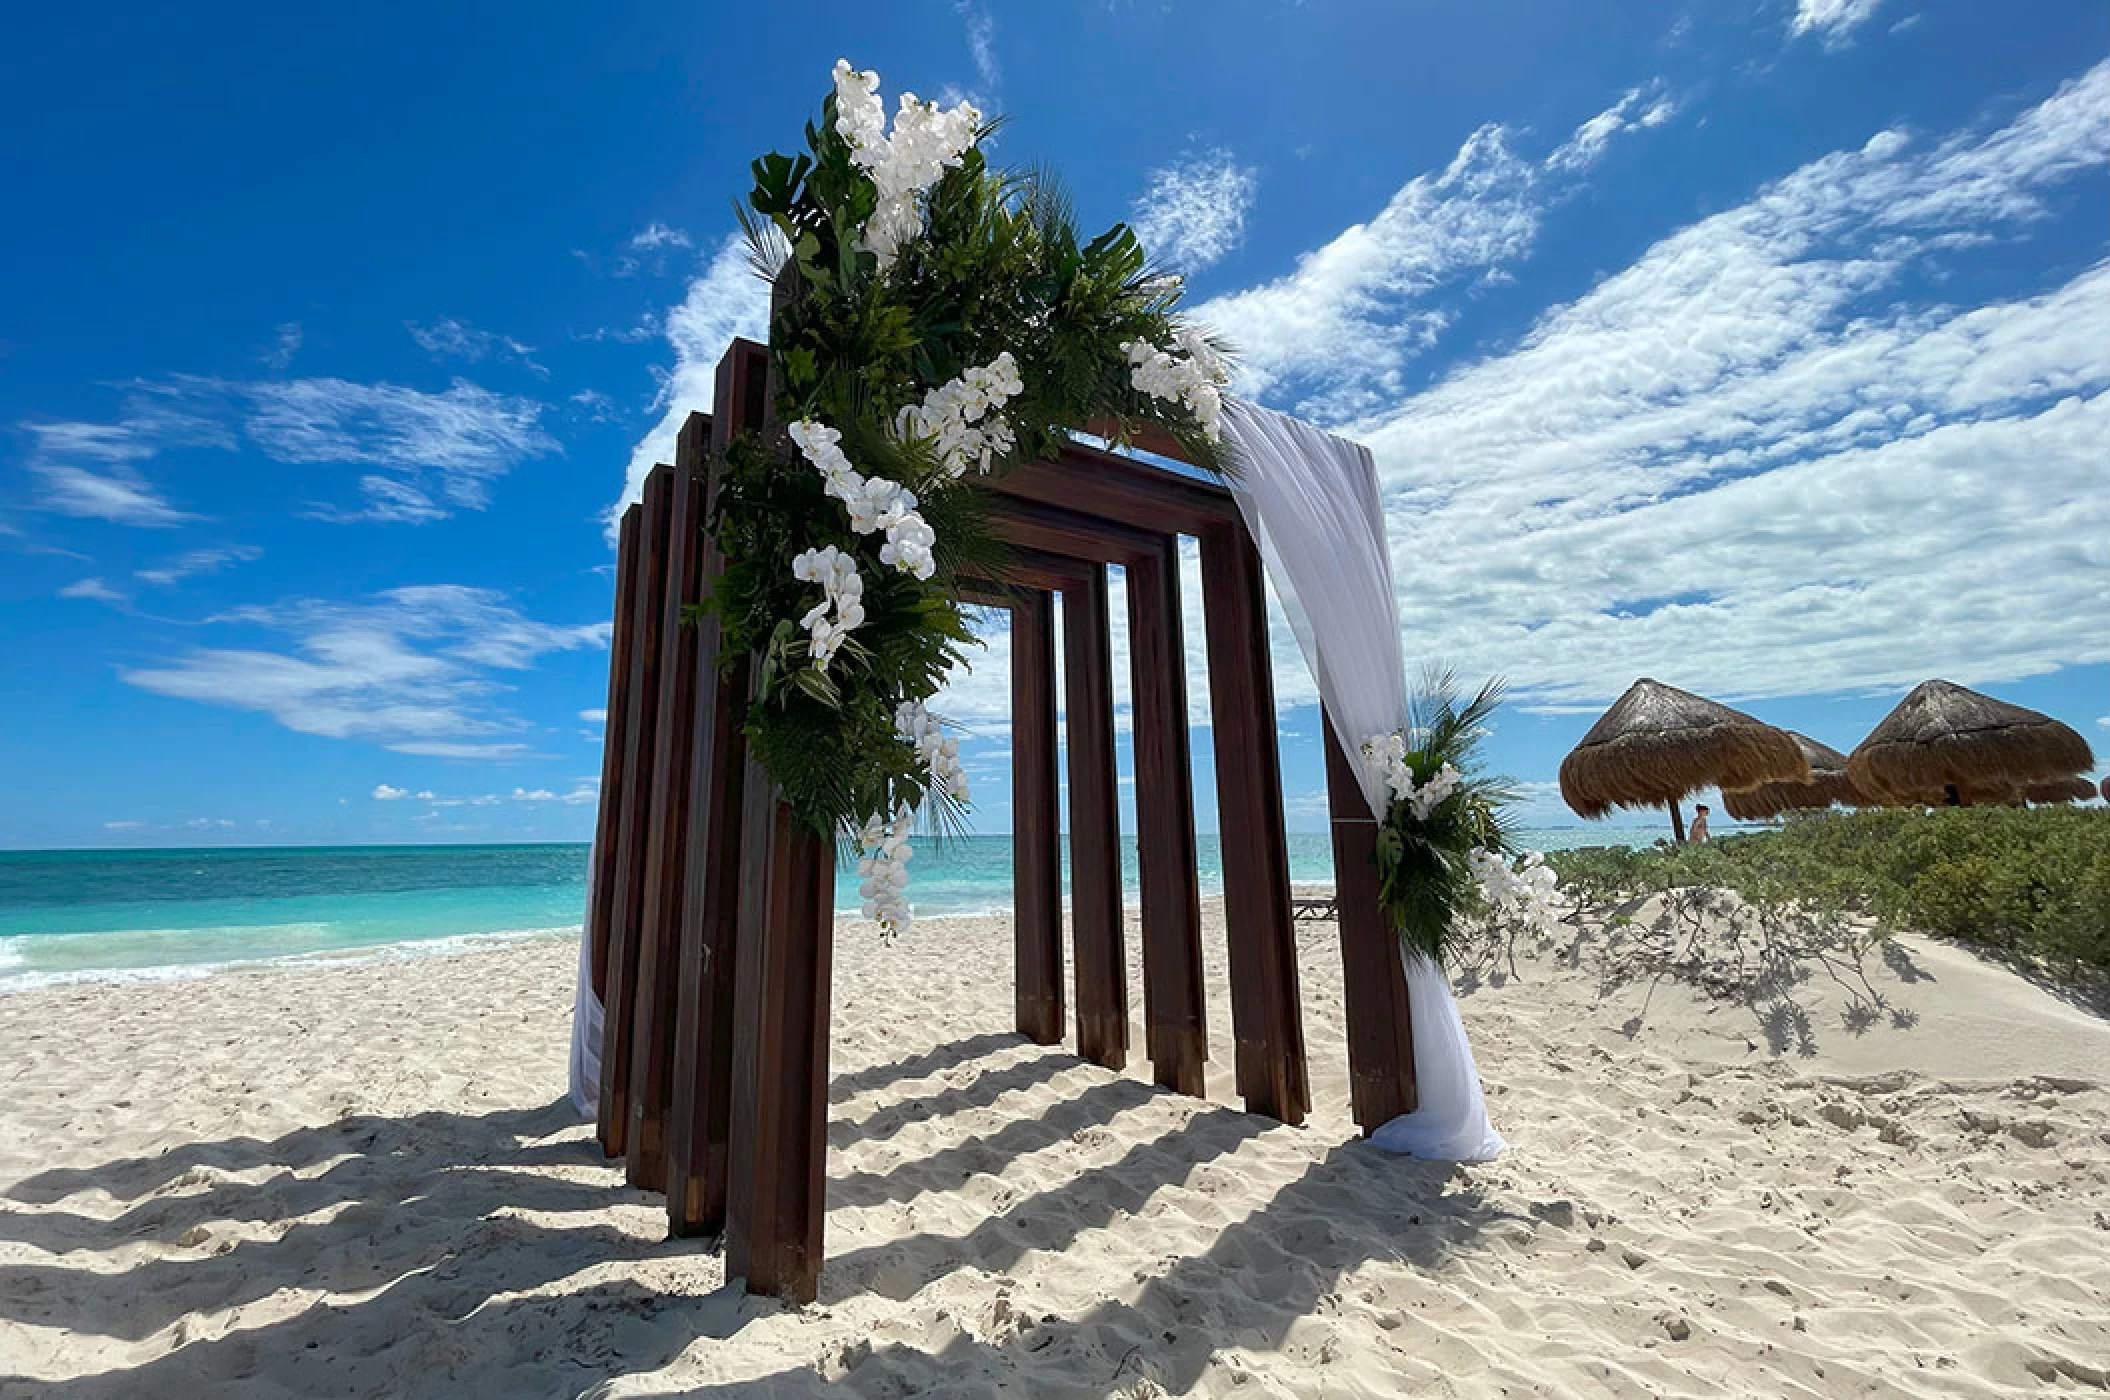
<point>1333,339</point>
<point>408,669</point>
<point>287,345</point>
<point>981,43</point>
<point>657,235</point>
<point>429,453</point>
<point>209,824</point>
<point>197,561</point>
<point>1832,21</point>
<point>451,338</point>
<point>1637,108</point>
<point>594,716</point>
<point>92,589</point>
<point>461,440</point>
<point>89,470</point>
<point>580,794</point>
<point>1760,457</point>
<point>124,826</point>
<point>1194,211</point>
<point>724,301</point>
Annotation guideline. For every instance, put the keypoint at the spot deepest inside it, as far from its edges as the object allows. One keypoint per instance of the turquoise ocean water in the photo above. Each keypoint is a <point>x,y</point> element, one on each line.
<point>72,915</point>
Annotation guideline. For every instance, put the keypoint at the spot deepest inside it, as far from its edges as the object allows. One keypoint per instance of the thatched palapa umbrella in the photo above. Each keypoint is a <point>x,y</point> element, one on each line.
<point>1659,744</point>
<point>1828,783</point>
<point>2061,790</point>
<point>1946,744</point>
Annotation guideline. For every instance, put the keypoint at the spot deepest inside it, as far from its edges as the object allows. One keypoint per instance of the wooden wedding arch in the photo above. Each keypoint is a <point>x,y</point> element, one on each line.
<point>712,908</point>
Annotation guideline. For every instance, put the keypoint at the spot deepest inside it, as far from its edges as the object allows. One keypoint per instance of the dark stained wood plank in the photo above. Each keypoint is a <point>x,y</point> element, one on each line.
<point>776,1196</point>
<point>633,816</point>
<point>1175,1021</point>
<point>700,1118</point>
<point>1265,1009</point>
<point>613,727</point>
<point>1096,932</point>
<point>1036,822</point>
<point>1380,1024</point>
<point>1116,488</point>
<point>666,833</point>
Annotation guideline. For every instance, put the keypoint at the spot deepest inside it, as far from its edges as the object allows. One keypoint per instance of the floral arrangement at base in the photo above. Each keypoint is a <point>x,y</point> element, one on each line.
<point>936,320</point>
<point>1444,850</point>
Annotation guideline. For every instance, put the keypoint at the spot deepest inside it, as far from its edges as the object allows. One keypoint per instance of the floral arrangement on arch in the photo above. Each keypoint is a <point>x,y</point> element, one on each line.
<point>1445,853</point>
<point>935,320</point>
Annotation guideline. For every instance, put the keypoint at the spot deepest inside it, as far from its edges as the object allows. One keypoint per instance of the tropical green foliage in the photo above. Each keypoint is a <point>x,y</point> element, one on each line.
<point>1425,865</point>
<point>2026,882</point>
<point>1000,267</point>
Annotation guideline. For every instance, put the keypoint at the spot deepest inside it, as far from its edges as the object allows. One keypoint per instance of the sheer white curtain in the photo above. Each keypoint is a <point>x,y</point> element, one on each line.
<point>586,1016</point>
<point>1310,499</point>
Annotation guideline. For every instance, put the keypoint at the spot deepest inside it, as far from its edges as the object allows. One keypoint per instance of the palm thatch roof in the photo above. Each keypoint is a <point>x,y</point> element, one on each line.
<point>1943,736</point>
<point>1828,783</point>
<point>2059,790</point>
<point>1658,744</point>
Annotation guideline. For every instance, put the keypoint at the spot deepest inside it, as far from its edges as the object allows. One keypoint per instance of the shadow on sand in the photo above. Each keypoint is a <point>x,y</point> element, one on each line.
<point>399,1204</point>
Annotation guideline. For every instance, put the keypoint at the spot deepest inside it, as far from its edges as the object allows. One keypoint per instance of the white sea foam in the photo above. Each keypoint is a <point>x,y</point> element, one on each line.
<point>13,977</point>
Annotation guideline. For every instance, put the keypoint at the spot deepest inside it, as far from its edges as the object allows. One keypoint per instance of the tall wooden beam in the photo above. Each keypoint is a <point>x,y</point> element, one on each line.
<point>656,999</point>
<point>700,1118</point>
<point>1380,1023</point>
<point>1266,1018</point>
<point>1036,822</point>
<point>633,815</point>
<point>1175,1020</point>
<point>776,1193</point>
<point>614,725</point>
<point>1101,966</point>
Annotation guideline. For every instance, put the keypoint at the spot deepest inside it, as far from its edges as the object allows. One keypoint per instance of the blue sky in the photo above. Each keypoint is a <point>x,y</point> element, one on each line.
<point>1760,348</point>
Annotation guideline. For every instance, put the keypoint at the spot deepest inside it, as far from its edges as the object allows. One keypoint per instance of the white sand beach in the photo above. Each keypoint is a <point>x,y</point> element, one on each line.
<point>364,1181</point>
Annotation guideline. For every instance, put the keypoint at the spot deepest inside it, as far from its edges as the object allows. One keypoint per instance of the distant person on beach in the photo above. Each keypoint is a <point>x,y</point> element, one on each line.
<point>1699,823</point>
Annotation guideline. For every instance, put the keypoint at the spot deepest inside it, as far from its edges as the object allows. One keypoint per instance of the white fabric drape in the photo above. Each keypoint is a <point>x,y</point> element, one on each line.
<point>586,1016</point>
<point>1311,501</point>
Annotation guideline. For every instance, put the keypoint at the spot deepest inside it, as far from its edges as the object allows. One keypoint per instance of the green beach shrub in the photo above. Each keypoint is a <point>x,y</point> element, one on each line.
<point>2030,883</point>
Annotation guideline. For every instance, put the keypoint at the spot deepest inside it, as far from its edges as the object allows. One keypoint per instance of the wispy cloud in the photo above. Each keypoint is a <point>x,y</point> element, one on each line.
<point>92,589</point>
<point>725,300</point>
<point>433,451</point>
<point>410,669</point>
<point>1832,21</point>
<point>656,235</point>
<point>1195,209</point>
<point>124,826</point>
<point>451,338</point>
<point>579,794</point>
<point>1757,451</point>
<point>1638,108</point>
<point>428,454</point>
<point>1333,339</point>
<point>981,44</point>
<point>90,470</point>
<point>284,348</point>
<point>196,562</point>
